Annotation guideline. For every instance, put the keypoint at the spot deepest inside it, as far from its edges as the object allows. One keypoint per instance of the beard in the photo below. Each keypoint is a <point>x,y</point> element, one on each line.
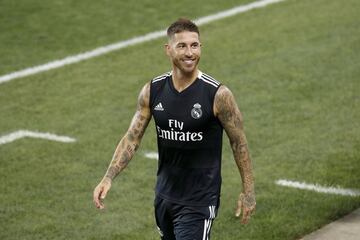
<point>184,67</point>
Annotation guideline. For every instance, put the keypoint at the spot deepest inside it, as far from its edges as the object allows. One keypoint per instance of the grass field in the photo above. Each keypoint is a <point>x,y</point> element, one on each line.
<point>294,68</point>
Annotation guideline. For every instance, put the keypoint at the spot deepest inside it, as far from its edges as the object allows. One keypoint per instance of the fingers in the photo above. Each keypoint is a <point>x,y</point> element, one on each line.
<point>246,216</point>
<point>244,208</point>
<point>239,205</point>
<point>238,212</point>
<point>99,196</point>
<point>96,198</point>
<point>103,193</point>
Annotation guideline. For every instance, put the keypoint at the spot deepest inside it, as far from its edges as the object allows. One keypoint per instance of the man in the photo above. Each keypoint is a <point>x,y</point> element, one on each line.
<point>190,110</point>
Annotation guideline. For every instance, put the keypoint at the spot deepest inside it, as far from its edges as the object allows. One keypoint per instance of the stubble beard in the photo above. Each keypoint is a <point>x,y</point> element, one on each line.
<point>183,68</point>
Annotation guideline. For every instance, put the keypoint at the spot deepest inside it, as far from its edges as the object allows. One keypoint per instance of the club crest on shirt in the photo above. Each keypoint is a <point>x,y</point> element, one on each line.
<point>196,112</point>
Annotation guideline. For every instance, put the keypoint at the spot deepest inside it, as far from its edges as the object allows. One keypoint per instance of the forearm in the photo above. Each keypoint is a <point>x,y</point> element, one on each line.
<point>122,156</point>
<point>243,162</point>
<point>131,141</point>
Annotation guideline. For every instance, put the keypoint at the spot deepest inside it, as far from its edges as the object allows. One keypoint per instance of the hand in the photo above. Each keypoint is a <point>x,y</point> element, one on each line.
<point>100,193</point>
<point>246,203</point>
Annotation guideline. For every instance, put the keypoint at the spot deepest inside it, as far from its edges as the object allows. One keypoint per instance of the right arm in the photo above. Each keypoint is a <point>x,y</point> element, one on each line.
<point>127,146</point>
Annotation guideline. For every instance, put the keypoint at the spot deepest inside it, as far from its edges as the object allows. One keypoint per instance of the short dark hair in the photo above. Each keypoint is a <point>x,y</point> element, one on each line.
<point>181,25</point>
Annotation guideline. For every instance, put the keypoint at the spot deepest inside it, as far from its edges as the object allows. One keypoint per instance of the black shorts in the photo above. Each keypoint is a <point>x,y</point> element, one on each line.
<point>179,222</point>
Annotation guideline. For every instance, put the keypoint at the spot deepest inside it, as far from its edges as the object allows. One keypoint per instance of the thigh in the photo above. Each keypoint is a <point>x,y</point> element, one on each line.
<point>163,219</point>
<point>194,223</point>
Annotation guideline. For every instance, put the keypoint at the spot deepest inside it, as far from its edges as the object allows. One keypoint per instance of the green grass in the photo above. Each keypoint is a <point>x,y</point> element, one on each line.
<point>35,32</point>
<point>293,67</point>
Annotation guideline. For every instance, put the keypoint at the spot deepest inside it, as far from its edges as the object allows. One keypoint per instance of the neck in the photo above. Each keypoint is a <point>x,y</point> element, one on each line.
<point>182,80</point>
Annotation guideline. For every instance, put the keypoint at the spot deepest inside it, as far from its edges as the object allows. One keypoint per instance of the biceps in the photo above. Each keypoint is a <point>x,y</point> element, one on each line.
<point>233,125</point>
<point>230,116</point>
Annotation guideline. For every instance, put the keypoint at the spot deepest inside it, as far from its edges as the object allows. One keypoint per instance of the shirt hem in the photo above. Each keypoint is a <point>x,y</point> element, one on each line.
<point>188,203</point>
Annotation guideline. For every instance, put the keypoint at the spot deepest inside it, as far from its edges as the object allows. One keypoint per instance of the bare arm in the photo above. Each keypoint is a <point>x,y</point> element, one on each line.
<point>228,113</point>
<point>132,138</point>
<point>127,146</point>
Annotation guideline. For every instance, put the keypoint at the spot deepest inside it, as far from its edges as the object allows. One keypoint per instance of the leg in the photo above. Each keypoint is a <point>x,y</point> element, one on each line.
<point>194,223</point>
<point>164,220</point>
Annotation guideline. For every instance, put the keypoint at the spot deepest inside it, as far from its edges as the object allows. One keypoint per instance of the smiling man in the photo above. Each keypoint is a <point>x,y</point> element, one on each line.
<point>190,110</point>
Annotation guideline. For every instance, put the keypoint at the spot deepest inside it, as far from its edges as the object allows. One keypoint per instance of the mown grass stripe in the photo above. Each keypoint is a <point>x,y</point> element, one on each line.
<point>130,42</point>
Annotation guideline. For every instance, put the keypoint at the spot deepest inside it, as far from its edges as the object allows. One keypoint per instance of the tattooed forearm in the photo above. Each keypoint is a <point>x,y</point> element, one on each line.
<point>112,172</point>
<point>242,158</point>
<point>131,141</point>
<point>121,159</point>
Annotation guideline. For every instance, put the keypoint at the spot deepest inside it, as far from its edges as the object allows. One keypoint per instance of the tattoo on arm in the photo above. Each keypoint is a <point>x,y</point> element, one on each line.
<point>131,141</point>
<point>230,117</point>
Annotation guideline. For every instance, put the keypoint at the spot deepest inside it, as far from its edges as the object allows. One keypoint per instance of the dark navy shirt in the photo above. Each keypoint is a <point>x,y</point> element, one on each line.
<point>189,140</point>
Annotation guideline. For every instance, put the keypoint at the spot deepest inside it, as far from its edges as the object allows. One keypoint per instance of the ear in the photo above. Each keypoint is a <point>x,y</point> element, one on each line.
<point>167,49</point>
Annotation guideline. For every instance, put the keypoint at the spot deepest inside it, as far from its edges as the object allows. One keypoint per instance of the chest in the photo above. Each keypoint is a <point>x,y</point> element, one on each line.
<point>190,110</point>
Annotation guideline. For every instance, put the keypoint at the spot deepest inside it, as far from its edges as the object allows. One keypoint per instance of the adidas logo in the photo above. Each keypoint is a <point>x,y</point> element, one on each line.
<point>159,107</point>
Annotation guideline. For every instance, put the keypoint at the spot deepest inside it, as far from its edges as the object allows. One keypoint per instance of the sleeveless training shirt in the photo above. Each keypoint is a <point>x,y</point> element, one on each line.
<point>189,140</point>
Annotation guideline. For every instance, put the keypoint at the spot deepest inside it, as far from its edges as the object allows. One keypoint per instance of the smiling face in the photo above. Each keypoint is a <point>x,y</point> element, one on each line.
<point>184,50</point>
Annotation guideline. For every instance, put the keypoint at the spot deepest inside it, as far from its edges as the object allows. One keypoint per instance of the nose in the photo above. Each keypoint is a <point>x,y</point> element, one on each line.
<point>188,52</point>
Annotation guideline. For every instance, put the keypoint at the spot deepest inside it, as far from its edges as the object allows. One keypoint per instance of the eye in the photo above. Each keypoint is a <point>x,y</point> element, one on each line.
<point>195,45</point>
<point>181,45</point>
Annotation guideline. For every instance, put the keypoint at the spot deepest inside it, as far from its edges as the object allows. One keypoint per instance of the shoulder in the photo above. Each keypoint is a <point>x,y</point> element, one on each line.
<point>224,100</point>
<point>144,95</point>
<point>209,80</point>
<point>160,78</point>
<point>223,92</point>
<point>156,85</point>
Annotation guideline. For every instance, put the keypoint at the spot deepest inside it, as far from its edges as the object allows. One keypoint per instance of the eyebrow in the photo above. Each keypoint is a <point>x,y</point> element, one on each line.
<point>196,42</point>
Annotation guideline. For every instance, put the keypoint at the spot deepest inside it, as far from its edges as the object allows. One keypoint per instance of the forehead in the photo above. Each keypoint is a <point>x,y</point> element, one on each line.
<point>185,36</point>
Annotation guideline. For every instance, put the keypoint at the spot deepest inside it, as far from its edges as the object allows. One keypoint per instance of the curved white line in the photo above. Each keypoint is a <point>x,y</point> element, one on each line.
<point>318,188</point>
<point>25,133</point>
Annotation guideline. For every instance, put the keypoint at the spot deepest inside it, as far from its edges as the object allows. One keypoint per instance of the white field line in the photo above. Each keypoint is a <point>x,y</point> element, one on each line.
<point>152,155</point>
<point>318,188</point>
<point>25,133</point>
<point>126,43</point>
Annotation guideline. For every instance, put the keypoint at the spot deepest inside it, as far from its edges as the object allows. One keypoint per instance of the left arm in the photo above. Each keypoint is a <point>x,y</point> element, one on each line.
<point>227,111</point>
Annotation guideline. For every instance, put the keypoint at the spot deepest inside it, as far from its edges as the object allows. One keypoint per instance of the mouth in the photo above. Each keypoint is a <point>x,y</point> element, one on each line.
<point>189,61</point>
